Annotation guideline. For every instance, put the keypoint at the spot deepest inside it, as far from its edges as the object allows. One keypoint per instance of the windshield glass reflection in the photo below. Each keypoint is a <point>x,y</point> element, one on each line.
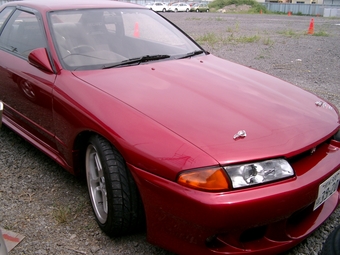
<point>97,38</point>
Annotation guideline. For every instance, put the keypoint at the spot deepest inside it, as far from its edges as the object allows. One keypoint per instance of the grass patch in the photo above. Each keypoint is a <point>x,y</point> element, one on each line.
<point>193,18</point>
<point>8,225</point>
<point>209,38</point>
<point>247,39</point>
<point>230,30</point>
<point>62,214</point>
<point>234,29</point>
<point>292,33</point>
<point>212,39</point>
<point>255,6</point>
<point>260,57</point>
<point>321,33</point>
<point>267,41</point>
<point>289,33</point>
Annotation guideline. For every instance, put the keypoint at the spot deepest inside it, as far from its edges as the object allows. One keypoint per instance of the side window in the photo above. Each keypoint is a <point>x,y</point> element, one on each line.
<point>22,34</point>
<point>4,15</point>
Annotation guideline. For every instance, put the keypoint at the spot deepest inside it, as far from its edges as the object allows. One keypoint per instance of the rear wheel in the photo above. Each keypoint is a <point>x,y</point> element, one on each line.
<point>114,196</point>
<point>187,10</point>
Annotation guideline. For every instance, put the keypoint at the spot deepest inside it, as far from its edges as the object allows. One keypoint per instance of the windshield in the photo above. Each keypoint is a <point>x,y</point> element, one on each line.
<point>100,38</point>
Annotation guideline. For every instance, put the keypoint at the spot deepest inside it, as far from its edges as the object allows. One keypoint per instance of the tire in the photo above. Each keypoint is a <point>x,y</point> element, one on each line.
<point>197,10</point>
<point>332,244</point>
<point>337,136</point>
<point>164,10</point>
<point>187,10</point>
<point>114,196</point>
<point>207,10</point>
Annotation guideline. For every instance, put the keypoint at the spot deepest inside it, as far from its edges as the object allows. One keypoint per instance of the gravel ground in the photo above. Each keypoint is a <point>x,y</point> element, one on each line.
<point>50,207</point>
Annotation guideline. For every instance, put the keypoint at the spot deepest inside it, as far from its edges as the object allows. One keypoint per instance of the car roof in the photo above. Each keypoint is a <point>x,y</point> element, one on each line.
<point>50,5</point>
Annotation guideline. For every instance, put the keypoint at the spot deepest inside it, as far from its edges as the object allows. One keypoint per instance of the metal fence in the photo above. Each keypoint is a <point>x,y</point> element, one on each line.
<point>303,9</point>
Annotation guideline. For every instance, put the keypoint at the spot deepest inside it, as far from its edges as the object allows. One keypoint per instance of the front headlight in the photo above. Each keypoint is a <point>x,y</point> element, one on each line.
<point>260,172</point>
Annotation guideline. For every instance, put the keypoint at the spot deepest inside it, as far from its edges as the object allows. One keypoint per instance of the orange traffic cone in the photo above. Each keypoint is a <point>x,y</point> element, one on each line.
<point>289,13</point>
<point>136,31</point>
<point>311,27</point>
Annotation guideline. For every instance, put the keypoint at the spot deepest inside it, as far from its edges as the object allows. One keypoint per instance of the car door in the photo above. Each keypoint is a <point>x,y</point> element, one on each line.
<point>25,90</point>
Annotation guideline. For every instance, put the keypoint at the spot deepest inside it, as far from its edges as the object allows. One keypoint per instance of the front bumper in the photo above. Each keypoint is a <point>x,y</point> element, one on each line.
<point>266,219</point>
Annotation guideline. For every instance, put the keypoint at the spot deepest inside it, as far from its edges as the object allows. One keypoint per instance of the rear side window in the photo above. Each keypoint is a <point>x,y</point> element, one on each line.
<point>22,34</point>
<point>4,15</point>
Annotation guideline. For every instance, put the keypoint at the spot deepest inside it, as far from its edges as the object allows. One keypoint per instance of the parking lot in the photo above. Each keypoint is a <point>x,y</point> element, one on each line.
<point>51,208</point>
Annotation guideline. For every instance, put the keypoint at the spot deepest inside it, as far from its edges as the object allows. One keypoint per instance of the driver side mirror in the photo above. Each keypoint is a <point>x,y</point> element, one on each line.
<point>39,58</point>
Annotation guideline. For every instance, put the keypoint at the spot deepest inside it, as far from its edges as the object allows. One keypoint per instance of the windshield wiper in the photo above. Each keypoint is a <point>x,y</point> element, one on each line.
<point>191,54</point>
<point>137,61</point>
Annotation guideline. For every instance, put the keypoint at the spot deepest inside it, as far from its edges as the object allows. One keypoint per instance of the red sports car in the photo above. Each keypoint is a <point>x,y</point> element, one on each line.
<point>215,158</point>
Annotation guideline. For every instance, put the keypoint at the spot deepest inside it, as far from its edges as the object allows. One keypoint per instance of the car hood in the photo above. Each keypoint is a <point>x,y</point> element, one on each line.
<point>207,100</point>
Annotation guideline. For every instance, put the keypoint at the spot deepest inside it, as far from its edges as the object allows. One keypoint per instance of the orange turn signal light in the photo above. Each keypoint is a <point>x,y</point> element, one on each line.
<point>211,179</point>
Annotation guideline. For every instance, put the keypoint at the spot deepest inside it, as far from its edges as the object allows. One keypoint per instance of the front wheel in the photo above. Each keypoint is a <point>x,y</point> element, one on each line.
<point>187,10</point>
<point>114,196</point>
<point>332,244</point>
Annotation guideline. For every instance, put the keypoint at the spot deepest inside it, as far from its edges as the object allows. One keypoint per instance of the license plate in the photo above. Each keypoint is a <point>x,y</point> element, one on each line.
<point>327,188</point>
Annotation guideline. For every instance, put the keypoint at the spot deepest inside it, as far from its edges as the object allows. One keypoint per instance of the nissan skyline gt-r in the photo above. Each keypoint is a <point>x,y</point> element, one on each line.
<point>211,156</point>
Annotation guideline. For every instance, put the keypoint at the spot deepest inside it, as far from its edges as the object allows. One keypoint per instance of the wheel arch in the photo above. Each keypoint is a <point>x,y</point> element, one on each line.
<point>79,150</point>
<point>80,146</point>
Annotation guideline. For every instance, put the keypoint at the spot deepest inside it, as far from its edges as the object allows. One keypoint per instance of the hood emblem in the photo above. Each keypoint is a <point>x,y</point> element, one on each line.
<point>240,134</point>
<point>319,103</point>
